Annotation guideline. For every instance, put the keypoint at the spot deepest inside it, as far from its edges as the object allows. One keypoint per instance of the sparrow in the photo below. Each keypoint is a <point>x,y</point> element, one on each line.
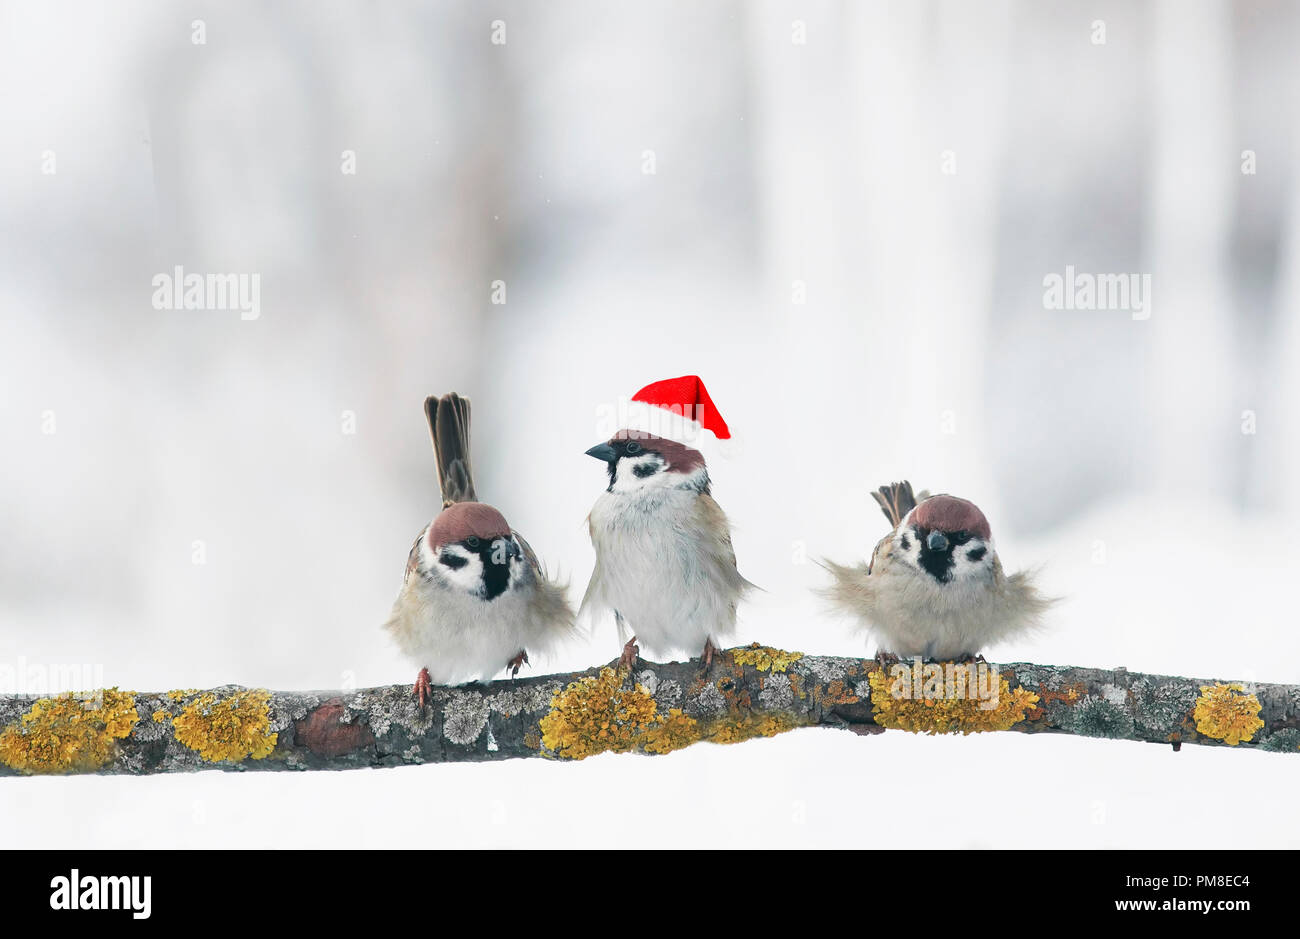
<point>474,598</point>
<point>664,560</point>
<point>934,586</point>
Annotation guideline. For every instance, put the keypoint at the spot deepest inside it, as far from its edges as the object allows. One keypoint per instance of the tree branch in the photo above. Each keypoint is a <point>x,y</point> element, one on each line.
<point>655,708</point>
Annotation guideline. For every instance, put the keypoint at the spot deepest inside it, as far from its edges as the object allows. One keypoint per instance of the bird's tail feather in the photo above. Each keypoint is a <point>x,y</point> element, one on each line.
<point>895,500</point>
<point>449,427</point>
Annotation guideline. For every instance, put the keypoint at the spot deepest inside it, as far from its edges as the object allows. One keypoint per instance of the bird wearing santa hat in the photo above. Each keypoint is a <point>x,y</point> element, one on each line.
<point>664,561</point>
<point>934,586</point>
<point>475,598</point>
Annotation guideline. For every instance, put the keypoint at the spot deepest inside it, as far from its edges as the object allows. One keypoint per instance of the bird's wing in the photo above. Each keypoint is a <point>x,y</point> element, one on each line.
<point>895,500</point>
<point>1021,605</point>
<point>550,601</point>
<point>448,418</point>
<point>587,608</point>
<point>712,524</point>
<point>529,554</point>
<point>881,551</point>
<point>852,589</point>
<point>413,559</point>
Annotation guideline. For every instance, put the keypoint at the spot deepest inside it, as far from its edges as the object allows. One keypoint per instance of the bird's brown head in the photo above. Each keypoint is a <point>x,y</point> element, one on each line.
<point>461,521</point>
<point>950,514</point>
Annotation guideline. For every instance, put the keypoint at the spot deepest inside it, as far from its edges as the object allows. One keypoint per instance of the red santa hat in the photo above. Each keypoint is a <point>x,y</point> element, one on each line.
<point>676,408</point>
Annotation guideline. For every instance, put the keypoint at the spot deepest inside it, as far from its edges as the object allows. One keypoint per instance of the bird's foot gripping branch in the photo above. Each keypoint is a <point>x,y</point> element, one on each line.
<point>653,708</point>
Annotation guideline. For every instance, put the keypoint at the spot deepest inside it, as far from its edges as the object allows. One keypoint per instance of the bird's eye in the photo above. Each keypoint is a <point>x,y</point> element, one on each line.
<point>472,542</point>
<point>633,448</point>
<point>450,560</point>
<point>959,537</point>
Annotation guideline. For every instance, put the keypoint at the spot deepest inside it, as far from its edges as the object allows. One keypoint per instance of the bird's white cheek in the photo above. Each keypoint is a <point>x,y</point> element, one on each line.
<point>468,578</point>
<point>980,568</point>
<point>908,550</point>
<point>626,479</point>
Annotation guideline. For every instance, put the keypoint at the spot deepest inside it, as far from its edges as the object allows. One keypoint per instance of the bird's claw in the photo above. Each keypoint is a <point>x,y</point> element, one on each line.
<point>423,687</point>
<point>630,654</point>
<point>518,662</point>
<point>709,650</point>
<point>885,659</point>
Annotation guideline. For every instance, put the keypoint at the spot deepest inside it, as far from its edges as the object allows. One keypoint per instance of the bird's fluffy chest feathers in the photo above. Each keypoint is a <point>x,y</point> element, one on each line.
<point>921,616</point>
<point>655,564</point>
<point>459,637</point>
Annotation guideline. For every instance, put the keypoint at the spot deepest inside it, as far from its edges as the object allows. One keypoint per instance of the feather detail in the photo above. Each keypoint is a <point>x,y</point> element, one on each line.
<point>852,588</point>
<point>895,500</point>
<point>448,418</point>
<point>1025,604</point>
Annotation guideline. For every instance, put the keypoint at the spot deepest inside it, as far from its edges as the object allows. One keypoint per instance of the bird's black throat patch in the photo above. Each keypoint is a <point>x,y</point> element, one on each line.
<point>496,576</point>
<point>938,564</point>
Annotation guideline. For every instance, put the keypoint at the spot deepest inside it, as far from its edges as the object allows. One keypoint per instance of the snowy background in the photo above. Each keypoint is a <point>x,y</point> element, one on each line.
<point>847,237</point>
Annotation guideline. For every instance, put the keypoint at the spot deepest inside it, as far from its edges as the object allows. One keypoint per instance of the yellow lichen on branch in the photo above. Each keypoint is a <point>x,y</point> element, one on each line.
<point>945,714</point>
<point>765,658</point>
<point>675,730</point>
<point>69,732</point>
<point>233,728</point>
<point>748,726</point>
<point>599,715</point>
<point>1225,713</point>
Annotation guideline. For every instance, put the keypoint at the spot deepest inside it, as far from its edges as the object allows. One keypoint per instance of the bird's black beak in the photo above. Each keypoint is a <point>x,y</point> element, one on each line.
<point>937,541</point>
<point>603,451</point>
